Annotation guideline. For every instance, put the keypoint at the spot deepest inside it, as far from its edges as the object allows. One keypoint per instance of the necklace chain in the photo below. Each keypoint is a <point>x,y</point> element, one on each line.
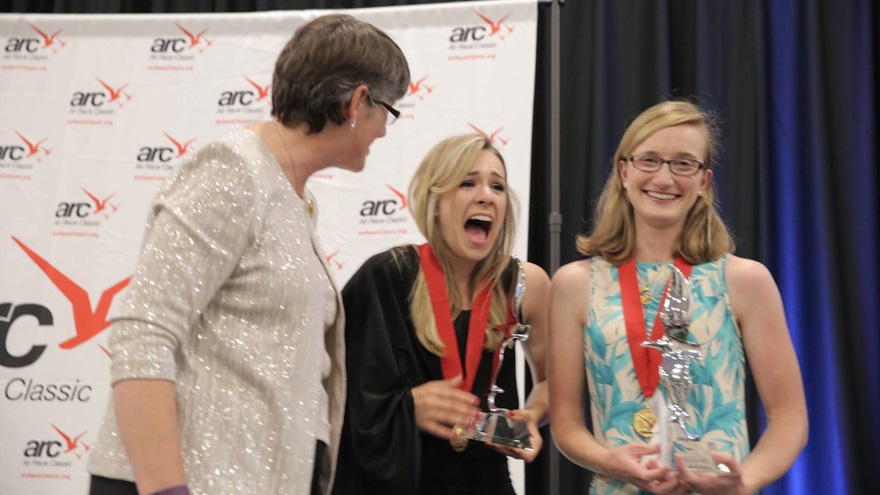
<point>286,150</point>
<point>310,205</point>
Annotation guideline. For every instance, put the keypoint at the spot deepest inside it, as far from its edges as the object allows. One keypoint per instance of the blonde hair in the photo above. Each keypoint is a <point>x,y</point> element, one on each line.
<point>442,170</point>
<point>704,237</point>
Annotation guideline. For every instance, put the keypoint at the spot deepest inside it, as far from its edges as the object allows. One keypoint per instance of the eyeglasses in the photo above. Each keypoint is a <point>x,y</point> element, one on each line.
<point>393,113</point>
<point>679,166</point>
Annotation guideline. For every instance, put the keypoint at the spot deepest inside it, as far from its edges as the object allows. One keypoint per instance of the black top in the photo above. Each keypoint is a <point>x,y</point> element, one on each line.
<point>382,450</point>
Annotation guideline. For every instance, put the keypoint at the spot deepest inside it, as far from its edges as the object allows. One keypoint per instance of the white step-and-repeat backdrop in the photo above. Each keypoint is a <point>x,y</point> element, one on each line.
<point>97,111</point>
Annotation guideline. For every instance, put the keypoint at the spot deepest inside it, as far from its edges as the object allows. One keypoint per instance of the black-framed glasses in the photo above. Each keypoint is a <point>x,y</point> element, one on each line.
<point>393,113</point>
<point>647,162</point>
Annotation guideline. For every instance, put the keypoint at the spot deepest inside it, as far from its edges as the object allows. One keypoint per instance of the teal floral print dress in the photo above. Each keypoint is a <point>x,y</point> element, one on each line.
<point>716,402</point>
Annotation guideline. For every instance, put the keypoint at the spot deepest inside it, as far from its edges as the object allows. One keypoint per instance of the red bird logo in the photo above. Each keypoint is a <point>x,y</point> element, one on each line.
<point>399,195</point>
<point>494,26</point>
<point>49,40</point>
<point>33,148</point>
<point>116,93</point>
<point>331,260</point>
<point>181,148</point>
<point>195,39</point>
<point>415,88</point>
<point>72,444</point>
<point>101,205</point>
<point>88,323</point>
<point>490,137</point>
<point>261,91</point>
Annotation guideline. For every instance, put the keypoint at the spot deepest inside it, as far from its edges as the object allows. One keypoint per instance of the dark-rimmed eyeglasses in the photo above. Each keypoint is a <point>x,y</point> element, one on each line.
<point>647,162</point>
<point>392,115</point>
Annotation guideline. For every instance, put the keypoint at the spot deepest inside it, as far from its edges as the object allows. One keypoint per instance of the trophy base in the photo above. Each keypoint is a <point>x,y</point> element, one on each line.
<point>697,457</point>
<point>499,429</point>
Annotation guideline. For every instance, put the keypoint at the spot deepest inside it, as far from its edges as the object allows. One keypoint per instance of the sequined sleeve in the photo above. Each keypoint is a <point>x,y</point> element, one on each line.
<point>199,225</point>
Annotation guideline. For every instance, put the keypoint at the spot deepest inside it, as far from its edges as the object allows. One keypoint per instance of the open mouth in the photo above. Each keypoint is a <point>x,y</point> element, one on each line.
<point>477,228</point>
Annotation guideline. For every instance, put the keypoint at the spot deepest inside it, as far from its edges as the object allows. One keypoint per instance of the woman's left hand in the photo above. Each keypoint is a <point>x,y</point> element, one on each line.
<point>713,484</point>
<point>534,437</point>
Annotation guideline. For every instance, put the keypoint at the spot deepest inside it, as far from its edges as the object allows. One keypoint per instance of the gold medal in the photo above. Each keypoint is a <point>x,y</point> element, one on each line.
<point>644,421</point>
<point>310,205</point>
<point>458,441</point>
<point>645,296</point>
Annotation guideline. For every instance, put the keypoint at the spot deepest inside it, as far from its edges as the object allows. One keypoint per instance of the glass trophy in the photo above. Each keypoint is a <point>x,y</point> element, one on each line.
<point>496,426</point>
<point>671,430</point>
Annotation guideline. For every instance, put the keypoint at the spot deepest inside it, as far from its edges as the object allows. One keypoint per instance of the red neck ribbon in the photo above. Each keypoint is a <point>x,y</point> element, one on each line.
<point>479,319</point>
<point>645,361</point>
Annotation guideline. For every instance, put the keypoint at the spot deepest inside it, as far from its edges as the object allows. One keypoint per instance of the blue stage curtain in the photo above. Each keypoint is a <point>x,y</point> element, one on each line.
<point>822,245</point>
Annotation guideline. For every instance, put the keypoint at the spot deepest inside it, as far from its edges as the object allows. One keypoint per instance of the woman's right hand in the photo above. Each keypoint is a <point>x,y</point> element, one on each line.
<point>624,464</point>
<point>440,405</point>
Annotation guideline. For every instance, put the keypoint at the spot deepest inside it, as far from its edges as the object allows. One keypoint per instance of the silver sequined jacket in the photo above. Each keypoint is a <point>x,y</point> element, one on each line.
<point>232,300</point>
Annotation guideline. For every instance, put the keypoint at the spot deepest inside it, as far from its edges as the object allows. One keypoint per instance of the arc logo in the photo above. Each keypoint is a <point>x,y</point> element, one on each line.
<point>193,41</point>
<point>384,207</point>
<point>244,98</point>
<point>494,137</point>
<point>420,88</point>
<point>64,443</point>
<point>27,148</point>
<point>148,156</point>
<point>82,210</point>
<point>88,101</point>
<point>490,30</point>
<point>382,213</point>
<point>88,322</point>
<point>44,43</point>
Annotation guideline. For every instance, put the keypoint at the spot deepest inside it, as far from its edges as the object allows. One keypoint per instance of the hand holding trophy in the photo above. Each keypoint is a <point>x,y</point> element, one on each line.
<point>497,426</point>
<point>675,376</point>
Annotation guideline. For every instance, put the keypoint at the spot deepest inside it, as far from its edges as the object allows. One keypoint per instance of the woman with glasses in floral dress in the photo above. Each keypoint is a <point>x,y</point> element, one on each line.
<point>658,211</point>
